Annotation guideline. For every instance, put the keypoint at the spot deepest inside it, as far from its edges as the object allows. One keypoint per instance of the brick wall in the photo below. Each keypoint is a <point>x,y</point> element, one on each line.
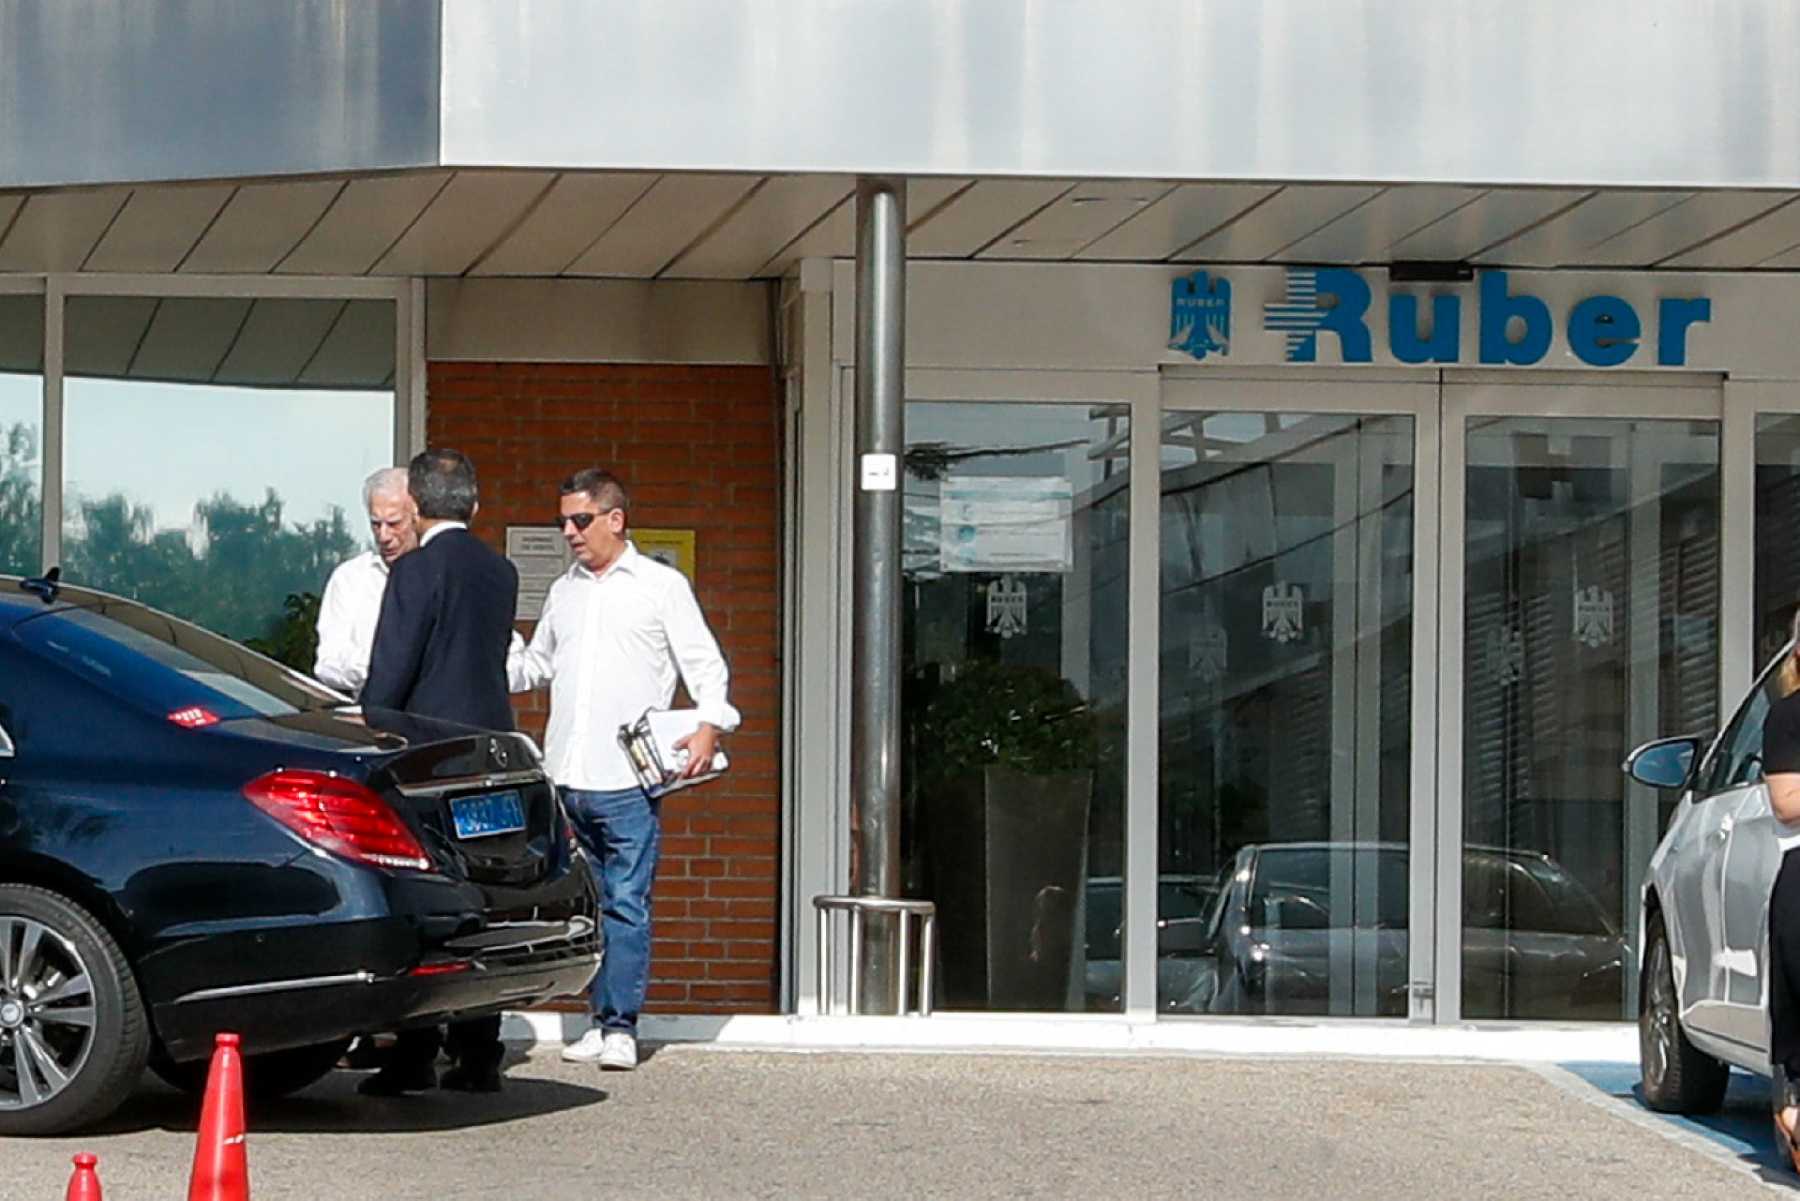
<point>698,448</point>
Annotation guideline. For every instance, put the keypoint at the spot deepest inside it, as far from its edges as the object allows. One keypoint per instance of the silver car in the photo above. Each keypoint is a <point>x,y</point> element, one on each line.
<point>1704,972</point>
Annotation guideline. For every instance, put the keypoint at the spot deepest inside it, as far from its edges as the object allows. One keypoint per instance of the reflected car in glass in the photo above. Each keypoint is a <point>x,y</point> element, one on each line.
<point>194,838</point>
<point>1704,970</point>
<point>1320,928</point>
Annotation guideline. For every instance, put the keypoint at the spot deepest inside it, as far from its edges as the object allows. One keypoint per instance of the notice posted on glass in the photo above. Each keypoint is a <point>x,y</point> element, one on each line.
<point>1006,524</point>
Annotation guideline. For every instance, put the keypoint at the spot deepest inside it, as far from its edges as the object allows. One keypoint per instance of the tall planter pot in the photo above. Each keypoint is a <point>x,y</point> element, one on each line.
<point>1009,869</point>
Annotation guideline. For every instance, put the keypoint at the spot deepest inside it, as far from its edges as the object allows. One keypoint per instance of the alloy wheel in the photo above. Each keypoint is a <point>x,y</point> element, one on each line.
<point>1658,1032</point>
<point>46,1013</point>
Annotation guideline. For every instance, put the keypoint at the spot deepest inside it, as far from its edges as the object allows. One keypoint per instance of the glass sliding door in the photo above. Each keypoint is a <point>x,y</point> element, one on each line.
<point>1589,613</point>
<point>1777,543</point>
<point>1016,543</point>
<point>1286,689</point>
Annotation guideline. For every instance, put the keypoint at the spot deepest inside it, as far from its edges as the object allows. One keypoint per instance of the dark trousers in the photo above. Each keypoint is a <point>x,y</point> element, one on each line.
<point>1784,966</point>
<point>474,1044</point>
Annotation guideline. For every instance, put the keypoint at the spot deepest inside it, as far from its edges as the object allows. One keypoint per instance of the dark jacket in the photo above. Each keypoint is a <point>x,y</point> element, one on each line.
<point>440,643</point>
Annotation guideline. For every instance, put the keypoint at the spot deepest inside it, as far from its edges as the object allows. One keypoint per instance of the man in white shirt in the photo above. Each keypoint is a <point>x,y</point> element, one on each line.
<point>618,631</point>
<point>352,598</point>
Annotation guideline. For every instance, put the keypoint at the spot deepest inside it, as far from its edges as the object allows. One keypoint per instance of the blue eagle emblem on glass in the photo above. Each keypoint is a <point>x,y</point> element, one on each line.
<point>1200,316</point>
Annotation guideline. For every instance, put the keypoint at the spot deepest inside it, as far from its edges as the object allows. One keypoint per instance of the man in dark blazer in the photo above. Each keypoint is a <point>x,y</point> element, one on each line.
<point>440,651</point>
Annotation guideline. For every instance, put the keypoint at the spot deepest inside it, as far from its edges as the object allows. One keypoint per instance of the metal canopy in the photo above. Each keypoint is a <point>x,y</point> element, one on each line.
<point>736,227</point>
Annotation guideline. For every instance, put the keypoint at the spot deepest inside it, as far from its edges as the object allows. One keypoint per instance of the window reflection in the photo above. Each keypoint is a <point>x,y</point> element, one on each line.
<point>1590,625</point>
<point>214,449</point>
<point>21,433</point>
<point>1285,735</point>
<point>1016,521</point>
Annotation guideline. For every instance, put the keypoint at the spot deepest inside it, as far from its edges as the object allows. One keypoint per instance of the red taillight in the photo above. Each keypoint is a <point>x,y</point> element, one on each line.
<point>194,718</point>
<point>438,969</point>
<point>339,815</point>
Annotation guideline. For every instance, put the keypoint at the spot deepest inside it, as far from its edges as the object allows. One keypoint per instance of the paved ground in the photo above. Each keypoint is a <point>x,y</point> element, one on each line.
<point>695,1122</point>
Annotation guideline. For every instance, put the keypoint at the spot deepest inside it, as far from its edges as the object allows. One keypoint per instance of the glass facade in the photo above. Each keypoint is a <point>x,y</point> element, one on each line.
<point>1016,546</point>
<point>1294,617</point>
<point>1285,717</point>
<point>215,449</point>
<point>21,433</point>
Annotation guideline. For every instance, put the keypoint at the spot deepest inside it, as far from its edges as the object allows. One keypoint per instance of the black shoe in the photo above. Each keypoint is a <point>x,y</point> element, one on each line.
<point>466,1078</point>
<point>395,1081</point>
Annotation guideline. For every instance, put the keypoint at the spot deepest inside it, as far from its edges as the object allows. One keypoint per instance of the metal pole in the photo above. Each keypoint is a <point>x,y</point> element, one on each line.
<point>875,658</point>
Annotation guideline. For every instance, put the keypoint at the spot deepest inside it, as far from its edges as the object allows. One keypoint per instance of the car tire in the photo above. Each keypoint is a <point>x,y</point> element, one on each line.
<point>1678,1077</point>
<point>267,1077</point>
<point>53,1077</point>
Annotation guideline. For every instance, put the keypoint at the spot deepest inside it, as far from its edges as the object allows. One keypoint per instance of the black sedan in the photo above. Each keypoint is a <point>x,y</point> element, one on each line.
<point>194,838</point>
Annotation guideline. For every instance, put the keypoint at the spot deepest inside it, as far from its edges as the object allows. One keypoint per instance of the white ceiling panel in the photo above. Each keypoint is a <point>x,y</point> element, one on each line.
<point>666,220</point>
<point>572,215</point>
<point>471,214</point>
<point>188,338</point>
<point>1179,219</point>
<point>1494,217</point>
<point>1681,227</point>
<point>278,340</point>
<point>1769,236</point>
<point>359,349</point>
<point>157,228</point>
<point>1279,221</point>
<point>260,224</point>
<point>835,236</point>
<point>367,218</point>
<point>1368,232</point>
<point>56,231</point>
<point>979,215</point>
<point>781,210</point>
<point>1567,237</point>
<point>1077,219</point>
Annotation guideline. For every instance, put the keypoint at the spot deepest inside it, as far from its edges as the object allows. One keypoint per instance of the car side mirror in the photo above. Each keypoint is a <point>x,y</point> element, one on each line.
<point>1665,763</point>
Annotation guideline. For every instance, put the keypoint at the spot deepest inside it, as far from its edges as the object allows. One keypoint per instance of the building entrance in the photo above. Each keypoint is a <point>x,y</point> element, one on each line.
<point>1408,631</point>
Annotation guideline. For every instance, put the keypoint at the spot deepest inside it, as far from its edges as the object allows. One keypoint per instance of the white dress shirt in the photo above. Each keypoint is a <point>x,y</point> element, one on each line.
<point>347,616</point>
<point>612,645</point>
<point>349,610</point>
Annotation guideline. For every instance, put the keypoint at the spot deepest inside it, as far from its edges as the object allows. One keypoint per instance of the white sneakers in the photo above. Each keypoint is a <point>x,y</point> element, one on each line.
<point>613,1050</point>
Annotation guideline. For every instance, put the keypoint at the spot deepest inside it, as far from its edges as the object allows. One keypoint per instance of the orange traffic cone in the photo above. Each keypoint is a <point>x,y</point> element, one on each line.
<point>221,1169</point>
<point>84,1185</point>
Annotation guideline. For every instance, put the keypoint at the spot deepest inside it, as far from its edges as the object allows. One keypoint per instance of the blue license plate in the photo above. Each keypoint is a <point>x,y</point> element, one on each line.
<point>486,816</point>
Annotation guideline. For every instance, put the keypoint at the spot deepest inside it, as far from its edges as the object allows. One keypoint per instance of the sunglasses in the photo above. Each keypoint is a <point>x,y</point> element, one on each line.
<point>581,521</point>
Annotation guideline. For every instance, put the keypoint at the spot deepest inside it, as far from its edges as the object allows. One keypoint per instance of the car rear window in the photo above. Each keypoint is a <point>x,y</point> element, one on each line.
<point>161,664</point>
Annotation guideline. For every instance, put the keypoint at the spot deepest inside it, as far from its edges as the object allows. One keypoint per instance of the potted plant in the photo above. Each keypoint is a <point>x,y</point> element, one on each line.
<point>1005,756</point>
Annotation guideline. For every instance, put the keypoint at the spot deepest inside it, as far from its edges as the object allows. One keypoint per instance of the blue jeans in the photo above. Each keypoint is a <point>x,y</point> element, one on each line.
<point>622,835</point>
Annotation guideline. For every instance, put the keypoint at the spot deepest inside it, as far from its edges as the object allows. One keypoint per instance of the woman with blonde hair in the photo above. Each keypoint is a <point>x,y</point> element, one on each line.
<point>1781,770</point>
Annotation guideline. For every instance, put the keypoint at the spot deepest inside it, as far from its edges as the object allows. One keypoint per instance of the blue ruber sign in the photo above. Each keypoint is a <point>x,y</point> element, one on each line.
<point>1512,328</point>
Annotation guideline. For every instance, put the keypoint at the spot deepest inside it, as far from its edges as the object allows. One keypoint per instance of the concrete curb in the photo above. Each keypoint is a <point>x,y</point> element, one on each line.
<point>1102,1034</point>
